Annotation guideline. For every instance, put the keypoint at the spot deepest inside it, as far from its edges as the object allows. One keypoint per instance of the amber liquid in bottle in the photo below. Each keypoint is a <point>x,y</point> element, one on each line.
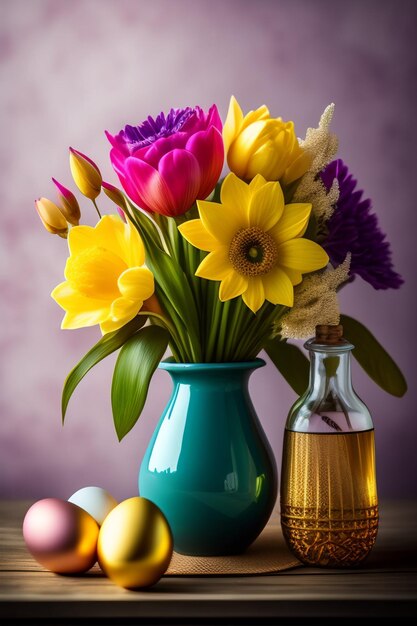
<point>329,505</point>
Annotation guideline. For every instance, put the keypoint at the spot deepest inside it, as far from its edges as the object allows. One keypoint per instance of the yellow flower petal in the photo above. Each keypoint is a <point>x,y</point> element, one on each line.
<point>222,222</point>
<point>268,159</point>
<point>244,145</point>
<point>257,182</point>
<point>136,283</point>
<point>261,113</point>
<point>235,193</point>
<point>122,239</point>
<point>302,255</point>
<point>233,123</point>
<point>109,326</point>
<point>298,168</point>
<point>80,238</point>
<point>195,233</point>
<point>233,285</point>
<point>266,206</point>
<point>134,250</point>
<point>254,296</point>
<point>124,309</point>
<point>82,319</point>
<point>295,276</point>
<point>94,272</point>
<point>73,301</point>
<point>278,287</point>
<point>293,222</point>
<point>216,265</point>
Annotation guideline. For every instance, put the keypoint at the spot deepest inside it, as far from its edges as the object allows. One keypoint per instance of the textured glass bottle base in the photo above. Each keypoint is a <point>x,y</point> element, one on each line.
<point>329,505</point>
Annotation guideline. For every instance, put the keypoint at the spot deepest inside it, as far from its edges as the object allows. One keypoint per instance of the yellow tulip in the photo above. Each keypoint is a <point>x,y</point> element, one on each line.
<point>258,144</point>
<point>106,282</point>
<point>85,173</point>
<point>51,217</point>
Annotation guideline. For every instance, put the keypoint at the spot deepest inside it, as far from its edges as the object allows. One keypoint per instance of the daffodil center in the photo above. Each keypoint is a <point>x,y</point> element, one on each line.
<point>94,272</point>
<point>253,252</point>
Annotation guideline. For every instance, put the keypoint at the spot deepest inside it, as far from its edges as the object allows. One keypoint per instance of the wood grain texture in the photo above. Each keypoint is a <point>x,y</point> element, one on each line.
<point>386,585</point>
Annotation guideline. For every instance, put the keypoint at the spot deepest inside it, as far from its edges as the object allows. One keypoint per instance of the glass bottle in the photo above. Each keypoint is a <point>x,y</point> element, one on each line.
<point>329,504</point>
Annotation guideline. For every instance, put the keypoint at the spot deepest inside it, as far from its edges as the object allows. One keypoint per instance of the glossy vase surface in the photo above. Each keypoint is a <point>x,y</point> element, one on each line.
<point>209,466</point>
<point>329,503</point>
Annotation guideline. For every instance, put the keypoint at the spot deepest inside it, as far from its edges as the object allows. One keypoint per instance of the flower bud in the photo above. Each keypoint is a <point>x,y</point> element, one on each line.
<point>69,204</point>
<point>51,217</point>
<point>114,194</point>
<point>86,174</point>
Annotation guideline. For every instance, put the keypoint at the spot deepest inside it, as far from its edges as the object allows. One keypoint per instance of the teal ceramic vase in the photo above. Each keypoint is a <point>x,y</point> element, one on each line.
<point>209,466</point>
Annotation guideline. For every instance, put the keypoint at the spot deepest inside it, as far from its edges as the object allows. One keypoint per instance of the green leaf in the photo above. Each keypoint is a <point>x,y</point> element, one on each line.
<point>373,358</point>
<point>107,344</point>
<point>173,286</point>
<point>291,363</point>
<point>135,365</point>
<point>144,224</point>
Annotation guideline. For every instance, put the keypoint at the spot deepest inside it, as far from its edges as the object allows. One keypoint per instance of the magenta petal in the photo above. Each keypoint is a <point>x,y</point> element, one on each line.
<point>118,160</point>
<point>147,187</point>
<point>154,153</point>
<point>213,118</point>
<point>117,142</point>
<point>181,172</point>
<point>63,190</point>
<point>207,147</point>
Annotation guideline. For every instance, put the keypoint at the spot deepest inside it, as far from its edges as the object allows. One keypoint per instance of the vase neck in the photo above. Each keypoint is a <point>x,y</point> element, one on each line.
<point>211,374</point>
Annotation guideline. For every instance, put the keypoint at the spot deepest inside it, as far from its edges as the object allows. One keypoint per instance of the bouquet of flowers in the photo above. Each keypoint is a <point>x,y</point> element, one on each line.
<point>216,268</point>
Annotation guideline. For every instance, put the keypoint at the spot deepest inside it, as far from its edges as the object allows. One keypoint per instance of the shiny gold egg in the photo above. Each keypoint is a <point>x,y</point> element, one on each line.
<point>135,544</point>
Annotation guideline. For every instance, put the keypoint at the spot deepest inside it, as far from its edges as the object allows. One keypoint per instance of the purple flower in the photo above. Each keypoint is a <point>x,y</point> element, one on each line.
<point>354,228</point>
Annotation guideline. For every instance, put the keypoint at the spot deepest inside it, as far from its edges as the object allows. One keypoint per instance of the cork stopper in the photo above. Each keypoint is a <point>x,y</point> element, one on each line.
<point>329,334</point>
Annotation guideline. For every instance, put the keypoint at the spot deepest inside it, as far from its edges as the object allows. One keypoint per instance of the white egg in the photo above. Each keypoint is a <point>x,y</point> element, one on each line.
<point>96,501</point>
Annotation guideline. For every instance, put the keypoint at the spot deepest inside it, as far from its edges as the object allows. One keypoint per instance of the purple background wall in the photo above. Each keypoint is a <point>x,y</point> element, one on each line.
<point>69,70</point>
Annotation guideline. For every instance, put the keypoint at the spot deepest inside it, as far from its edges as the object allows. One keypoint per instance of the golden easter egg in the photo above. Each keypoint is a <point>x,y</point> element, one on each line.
<point>135,544</point>
<point>61,536</point>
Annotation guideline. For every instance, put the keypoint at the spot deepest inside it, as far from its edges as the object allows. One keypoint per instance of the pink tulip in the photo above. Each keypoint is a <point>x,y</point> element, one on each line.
<point>166,164</point>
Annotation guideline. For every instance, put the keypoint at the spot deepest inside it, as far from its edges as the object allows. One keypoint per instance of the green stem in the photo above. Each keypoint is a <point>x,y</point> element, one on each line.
<point>236,328</point>
<point>222,331</point>
<point>95,204</point>
<point>214,324</point>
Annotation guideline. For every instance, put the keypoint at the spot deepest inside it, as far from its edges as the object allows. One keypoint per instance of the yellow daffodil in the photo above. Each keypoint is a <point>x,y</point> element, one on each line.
<point>255,242</point>
<point>259,144</point>
<point>106,282</point>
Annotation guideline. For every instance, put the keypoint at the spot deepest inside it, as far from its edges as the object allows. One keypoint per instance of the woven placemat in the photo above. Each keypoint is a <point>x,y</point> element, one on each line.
<point>267,555</point>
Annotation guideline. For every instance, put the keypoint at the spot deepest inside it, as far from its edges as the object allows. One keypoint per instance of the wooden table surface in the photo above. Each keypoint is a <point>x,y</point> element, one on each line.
<point>384,587</point>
